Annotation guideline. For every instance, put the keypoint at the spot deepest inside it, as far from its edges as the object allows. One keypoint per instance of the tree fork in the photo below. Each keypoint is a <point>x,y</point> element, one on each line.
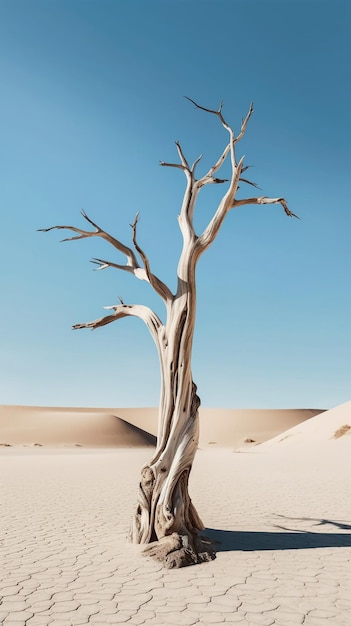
<point>165,517</point>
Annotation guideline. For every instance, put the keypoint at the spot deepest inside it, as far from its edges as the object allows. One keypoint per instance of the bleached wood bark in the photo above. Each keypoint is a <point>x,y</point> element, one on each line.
<point>165,516</point>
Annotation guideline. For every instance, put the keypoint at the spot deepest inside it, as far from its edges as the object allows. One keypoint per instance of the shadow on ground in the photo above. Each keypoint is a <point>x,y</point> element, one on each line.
<point>237,540</point>
<point>341,524</point>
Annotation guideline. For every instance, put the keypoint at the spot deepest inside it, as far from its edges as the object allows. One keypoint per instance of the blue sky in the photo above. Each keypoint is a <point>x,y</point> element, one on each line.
<point>92,100</point>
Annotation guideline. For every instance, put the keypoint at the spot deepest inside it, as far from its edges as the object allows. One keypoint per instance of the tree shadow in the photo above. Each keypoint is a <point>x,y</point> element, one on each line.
<point>249,541</point>
<point>319,522</point>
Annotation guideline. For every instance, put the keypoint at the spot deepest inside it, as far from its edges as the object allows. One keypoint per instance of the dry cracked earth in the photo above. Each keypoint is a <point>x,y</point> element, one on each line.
<point>284,543</point>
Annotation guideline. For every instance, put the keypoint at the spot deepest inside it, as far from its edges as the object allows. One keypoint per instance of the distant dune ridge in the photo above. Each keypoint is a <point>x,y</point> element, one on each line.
<point>69,427</point>
<point>331,425</point>
<point>137,427</point>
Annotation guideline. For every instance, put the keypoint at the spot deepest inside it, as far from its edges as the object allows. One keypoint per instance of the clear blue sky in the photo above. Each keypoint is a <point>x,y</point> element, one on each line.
<point>91,100</point>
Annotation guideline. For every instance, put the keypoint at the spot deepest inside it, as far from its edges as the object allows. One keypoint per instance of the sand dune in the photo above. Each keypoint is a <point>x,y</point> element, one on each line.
<point>333,425</point>
<point>69,427</point>
<point>128,427</point>
<point>235,427</point>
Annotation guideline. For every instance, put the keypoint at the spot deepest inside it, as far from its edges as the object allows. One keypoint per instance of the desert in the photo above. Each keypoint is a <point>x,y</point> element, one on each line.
<point>175,417</point>
<point>277,508</point>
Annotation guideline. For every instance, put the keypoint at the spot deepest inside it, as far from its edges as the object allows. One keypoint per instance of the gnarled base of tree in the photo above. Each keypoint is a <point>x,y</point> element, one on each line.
<point>165,518</point>
<point>175,550</point>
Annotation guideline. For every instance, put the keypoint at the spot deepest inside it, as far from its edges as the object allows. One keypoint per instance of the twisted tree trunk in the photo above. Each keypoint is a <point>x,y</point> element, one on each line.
<point>165,517</point>
<point>165,514</point>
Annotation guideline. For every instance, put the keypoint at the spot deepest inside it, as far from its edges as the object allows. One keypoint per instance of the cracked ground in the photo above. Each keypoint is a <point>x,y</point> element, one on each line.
<point>282,526</point>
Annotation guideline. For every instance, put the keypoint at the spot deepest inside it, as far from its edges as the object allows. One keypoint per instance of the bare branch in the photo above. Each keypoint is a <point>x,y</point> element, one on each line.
<point>177,165</point>
<point>190,195</point>
<point>98,232</point>
<point>182,157</point>
<point>211,181</point>
<point>212,111</point>
<point>226,203</point>
<point>210,232</point>
<point>218,164</point>
<point>83,233</point>
<point>122,310</point>
<point>193,167</point>
<point>265,200</point>
<point>185,217</point>
<point>139,249</point>
<point>105,264</point>
<point>184,165</point>
<point>218,113</point>
<point>88,219</point>
<point>132,266</point>
<point>155,282</point>
<point>219,181</point>
<point>102,321</point>
<point>249,182</point>
<point>233,139</point>
<point>244,123</point>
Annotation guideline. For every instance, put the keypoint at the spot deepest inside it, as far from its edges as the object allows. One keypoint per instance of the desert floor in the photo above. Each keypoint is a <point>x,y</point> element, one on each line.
<point>280,513</point>
<point>282,518</point>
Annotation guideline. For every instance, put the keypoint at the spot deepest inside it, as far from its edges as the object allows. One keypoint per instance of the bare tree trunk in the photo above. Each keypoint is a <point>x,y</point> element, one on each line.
<point>165,514</point>
<point>165,517</point>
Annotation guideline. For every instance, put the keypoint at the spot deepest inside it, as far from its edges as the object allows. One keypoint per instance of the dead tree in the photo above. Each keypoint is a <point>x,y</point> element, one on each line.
<point>165,516</point>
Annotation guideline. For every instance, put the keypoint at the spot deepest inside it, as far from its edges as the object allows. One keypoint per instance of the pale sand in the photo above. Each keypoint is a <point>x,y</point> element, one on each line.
<point>121,427</point>
<point>281,513</point>
<point>332,424</point>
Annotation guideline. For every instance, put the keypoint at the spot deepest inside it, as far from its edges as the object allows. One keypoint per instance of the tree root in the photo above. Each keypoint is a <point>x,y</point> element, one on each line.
<point>175,550</point>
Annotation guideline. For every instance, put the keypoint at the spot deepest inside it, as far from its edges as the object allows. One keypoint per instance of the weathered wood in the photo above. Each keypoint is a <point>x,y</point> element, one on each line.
<point>165,517</point>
